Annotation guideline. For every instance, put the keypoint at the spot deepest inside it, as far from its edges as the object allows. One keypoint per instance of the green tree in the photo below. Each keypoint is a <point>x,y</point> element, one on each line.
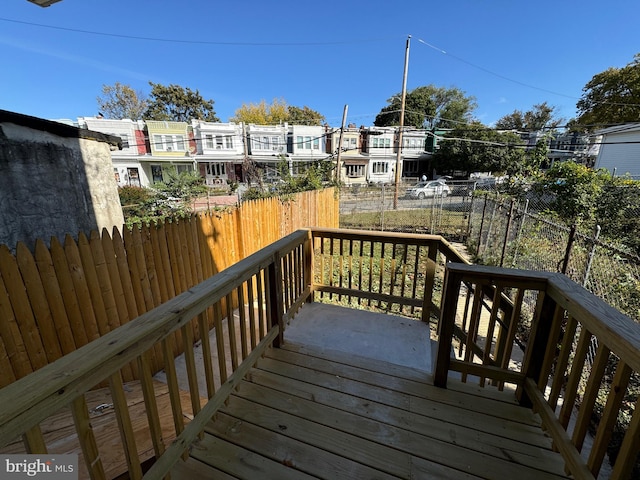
<point>611,97</point>
<point>304,116</point>
<point>120,101</point>
<point>616,210</point>
<point>185,185</point>
<point>429,107</point>
<point>541,116</point>
<point>179,104</point>
<point>575,190</point>
<point>474,147</point>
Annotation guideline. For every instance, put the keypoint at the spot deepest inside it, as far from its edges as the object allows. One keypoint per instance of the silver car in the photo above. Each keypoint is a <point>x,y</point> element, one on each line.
<point>433,188</point>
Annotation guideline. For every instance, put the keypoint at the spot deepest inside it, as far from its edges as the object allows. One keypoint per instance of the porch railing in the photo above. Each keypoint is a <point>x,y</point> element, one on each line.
<point>384,271</point>
<point>264,289</point>
<point>480,329</point>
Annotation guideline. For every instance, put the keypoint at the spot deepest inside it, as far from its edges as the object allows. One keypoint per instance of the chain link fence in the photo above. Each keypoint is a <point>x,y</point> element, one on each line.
<point>432,210</point>
<point>513,233</point>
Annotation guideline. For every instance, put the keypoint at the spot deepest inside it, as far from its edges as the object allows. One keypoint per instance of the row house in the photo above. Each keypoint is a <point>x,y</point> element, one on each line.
<point>220,152</point>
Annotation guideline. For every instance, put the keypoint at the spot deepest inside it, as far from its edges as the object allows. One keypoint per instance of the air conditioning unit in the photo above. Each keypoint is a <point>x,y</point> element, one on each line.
<point>169,149</point>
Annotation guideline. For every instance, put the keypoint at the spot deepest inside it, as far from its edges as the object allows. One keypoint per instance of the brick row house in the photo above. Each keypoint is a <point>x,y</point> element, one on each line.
<point>222,152</point>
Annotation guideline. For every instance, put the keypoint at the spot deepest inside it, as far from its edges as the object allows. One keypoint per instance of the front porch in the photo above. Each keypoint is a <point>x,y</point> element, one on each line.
<point>283,391</point>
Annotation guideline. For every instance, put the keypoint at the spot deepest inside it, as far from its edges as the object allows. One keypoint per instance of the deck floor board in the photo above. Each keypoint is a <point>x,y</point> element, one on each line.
<point>301,414</point>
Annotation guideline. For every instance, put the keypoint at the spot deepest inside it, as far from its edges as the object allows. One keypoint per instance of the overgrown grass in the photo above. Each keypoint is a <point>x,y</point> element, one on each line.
<point>439,222</point>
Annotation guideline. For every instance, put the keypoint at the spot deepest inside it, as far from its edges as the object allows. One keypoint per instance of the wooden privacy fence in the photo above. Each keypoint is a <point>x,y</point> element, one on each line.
<point>56,299</point>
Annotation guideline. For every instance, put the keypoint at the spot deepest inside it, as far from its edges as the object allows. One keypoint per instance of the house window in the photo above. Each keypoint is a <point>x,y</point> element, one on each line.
<point>156,173</point>
<point>208,141</point>
<point>410,167</point>
<point>184,168</point>
<point>380,167</point>
<point>353,144</point>
<point>219,140</point>
<point>228,141</point>
<point>168,143</point>
<point>316,144</point>
<point>133,176</point>
<point>216,169</point>
<point>355,170</point>
<point>117,175</point>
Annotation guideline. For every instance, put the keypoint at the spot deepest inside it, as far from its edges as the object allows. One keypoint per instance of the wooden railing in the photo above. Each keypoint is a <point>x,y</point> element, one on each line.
<point>390,272</point>
<point>251,300</point>
<point>559,374</point>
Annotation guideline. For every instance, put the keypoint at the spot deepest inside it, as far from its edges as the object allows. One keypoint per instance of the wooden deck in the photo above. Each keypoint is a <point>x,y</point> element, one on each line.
<point>310,413</point>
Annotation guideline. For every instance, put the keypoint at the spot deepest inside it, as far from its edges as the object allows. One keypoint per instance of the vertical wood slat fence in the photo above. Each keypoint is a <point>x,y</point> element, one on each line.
<point>56,299</point>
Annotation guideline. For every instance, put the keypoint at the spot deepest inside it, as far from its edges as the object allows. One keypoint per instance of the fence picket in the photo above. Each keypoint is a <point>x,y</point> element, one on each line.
<point>53,293</point>
<point>39,304</point>
<point>23,314</point>
<point>68,291</point>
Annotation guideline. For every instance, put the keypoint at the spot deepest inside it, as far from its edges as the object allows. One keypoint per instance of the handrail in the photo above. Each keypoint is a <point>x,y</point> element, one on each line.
<point>566,321</point>
<point>28,401</point>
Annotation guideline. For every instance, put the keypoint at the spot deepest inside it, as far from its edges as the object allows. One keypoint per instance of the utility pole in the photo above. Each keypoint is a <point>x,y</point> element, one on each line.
<point>344,120</point>
<point>402,103</point>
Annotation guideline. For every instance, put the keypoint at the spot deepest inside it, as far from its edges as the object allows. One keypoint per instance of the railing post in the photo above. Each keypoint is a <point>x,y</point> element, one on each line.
<point>537,345</point>
<point>429,281</point>
<point>445,328</point>
<point>307,253</point>
<point>274,297</point>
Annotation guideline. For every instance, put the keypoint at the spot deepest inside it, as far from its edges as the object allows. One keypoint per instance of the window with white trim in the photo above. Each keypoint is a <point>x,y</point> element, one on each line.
<point>380,167</point>
<point>354,170</point>
<point>216,169</point>
<point>168,143</point>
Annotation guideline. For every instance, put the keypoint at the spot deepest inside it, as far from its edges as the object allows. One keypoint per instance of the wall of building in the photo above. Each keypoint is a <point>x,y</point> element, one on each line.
<point>54,180</point>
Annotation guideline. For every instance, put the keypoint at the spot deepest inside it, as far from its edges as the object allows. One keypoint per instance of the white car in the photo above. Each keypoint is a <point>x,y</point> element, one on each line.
<point>433,188</point>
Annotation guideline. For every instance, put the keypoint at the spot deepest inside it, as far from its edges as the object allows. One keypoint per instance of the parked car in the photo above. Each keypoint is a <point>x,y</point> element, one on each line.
<point>433,188</point>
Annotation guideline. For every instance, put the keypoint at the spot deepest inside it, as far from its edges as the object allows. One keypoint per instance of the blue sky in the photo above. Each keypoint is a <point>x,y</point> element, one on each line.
<point>509,55</point>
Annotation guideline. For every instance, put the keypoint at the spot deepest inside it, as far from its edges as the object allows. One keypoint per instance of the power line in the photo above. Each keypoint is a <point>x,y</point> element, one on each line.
<point>195,42</point>
<point>518,82</point>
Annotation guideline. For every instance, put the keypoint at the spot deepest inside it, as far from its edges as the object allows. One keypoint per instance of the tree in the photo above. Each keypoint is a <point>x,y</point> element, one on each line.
<point>575,189</point>
<point>277,112</point>
<point>541,117</point>
<point>475,147</point>
<point>428,107</point>
<point>304,116</point>
<point>120,101</point>
<point>611,97</point>
<point>178,104</point>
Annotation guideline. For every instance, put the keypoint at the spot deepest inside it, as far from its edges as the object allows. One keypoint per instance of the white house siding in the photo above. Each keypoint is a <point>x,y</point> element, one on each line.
<point>620,151</point>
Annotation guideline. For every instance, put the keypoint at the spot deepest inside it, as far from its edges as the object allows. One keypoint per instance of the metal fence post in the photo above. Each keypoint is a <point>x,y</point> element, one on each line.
<point>507,231</point>
<point>484,209</point>
<point>567,253</point>
<point>592,254</point>
<point>519,235</point>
